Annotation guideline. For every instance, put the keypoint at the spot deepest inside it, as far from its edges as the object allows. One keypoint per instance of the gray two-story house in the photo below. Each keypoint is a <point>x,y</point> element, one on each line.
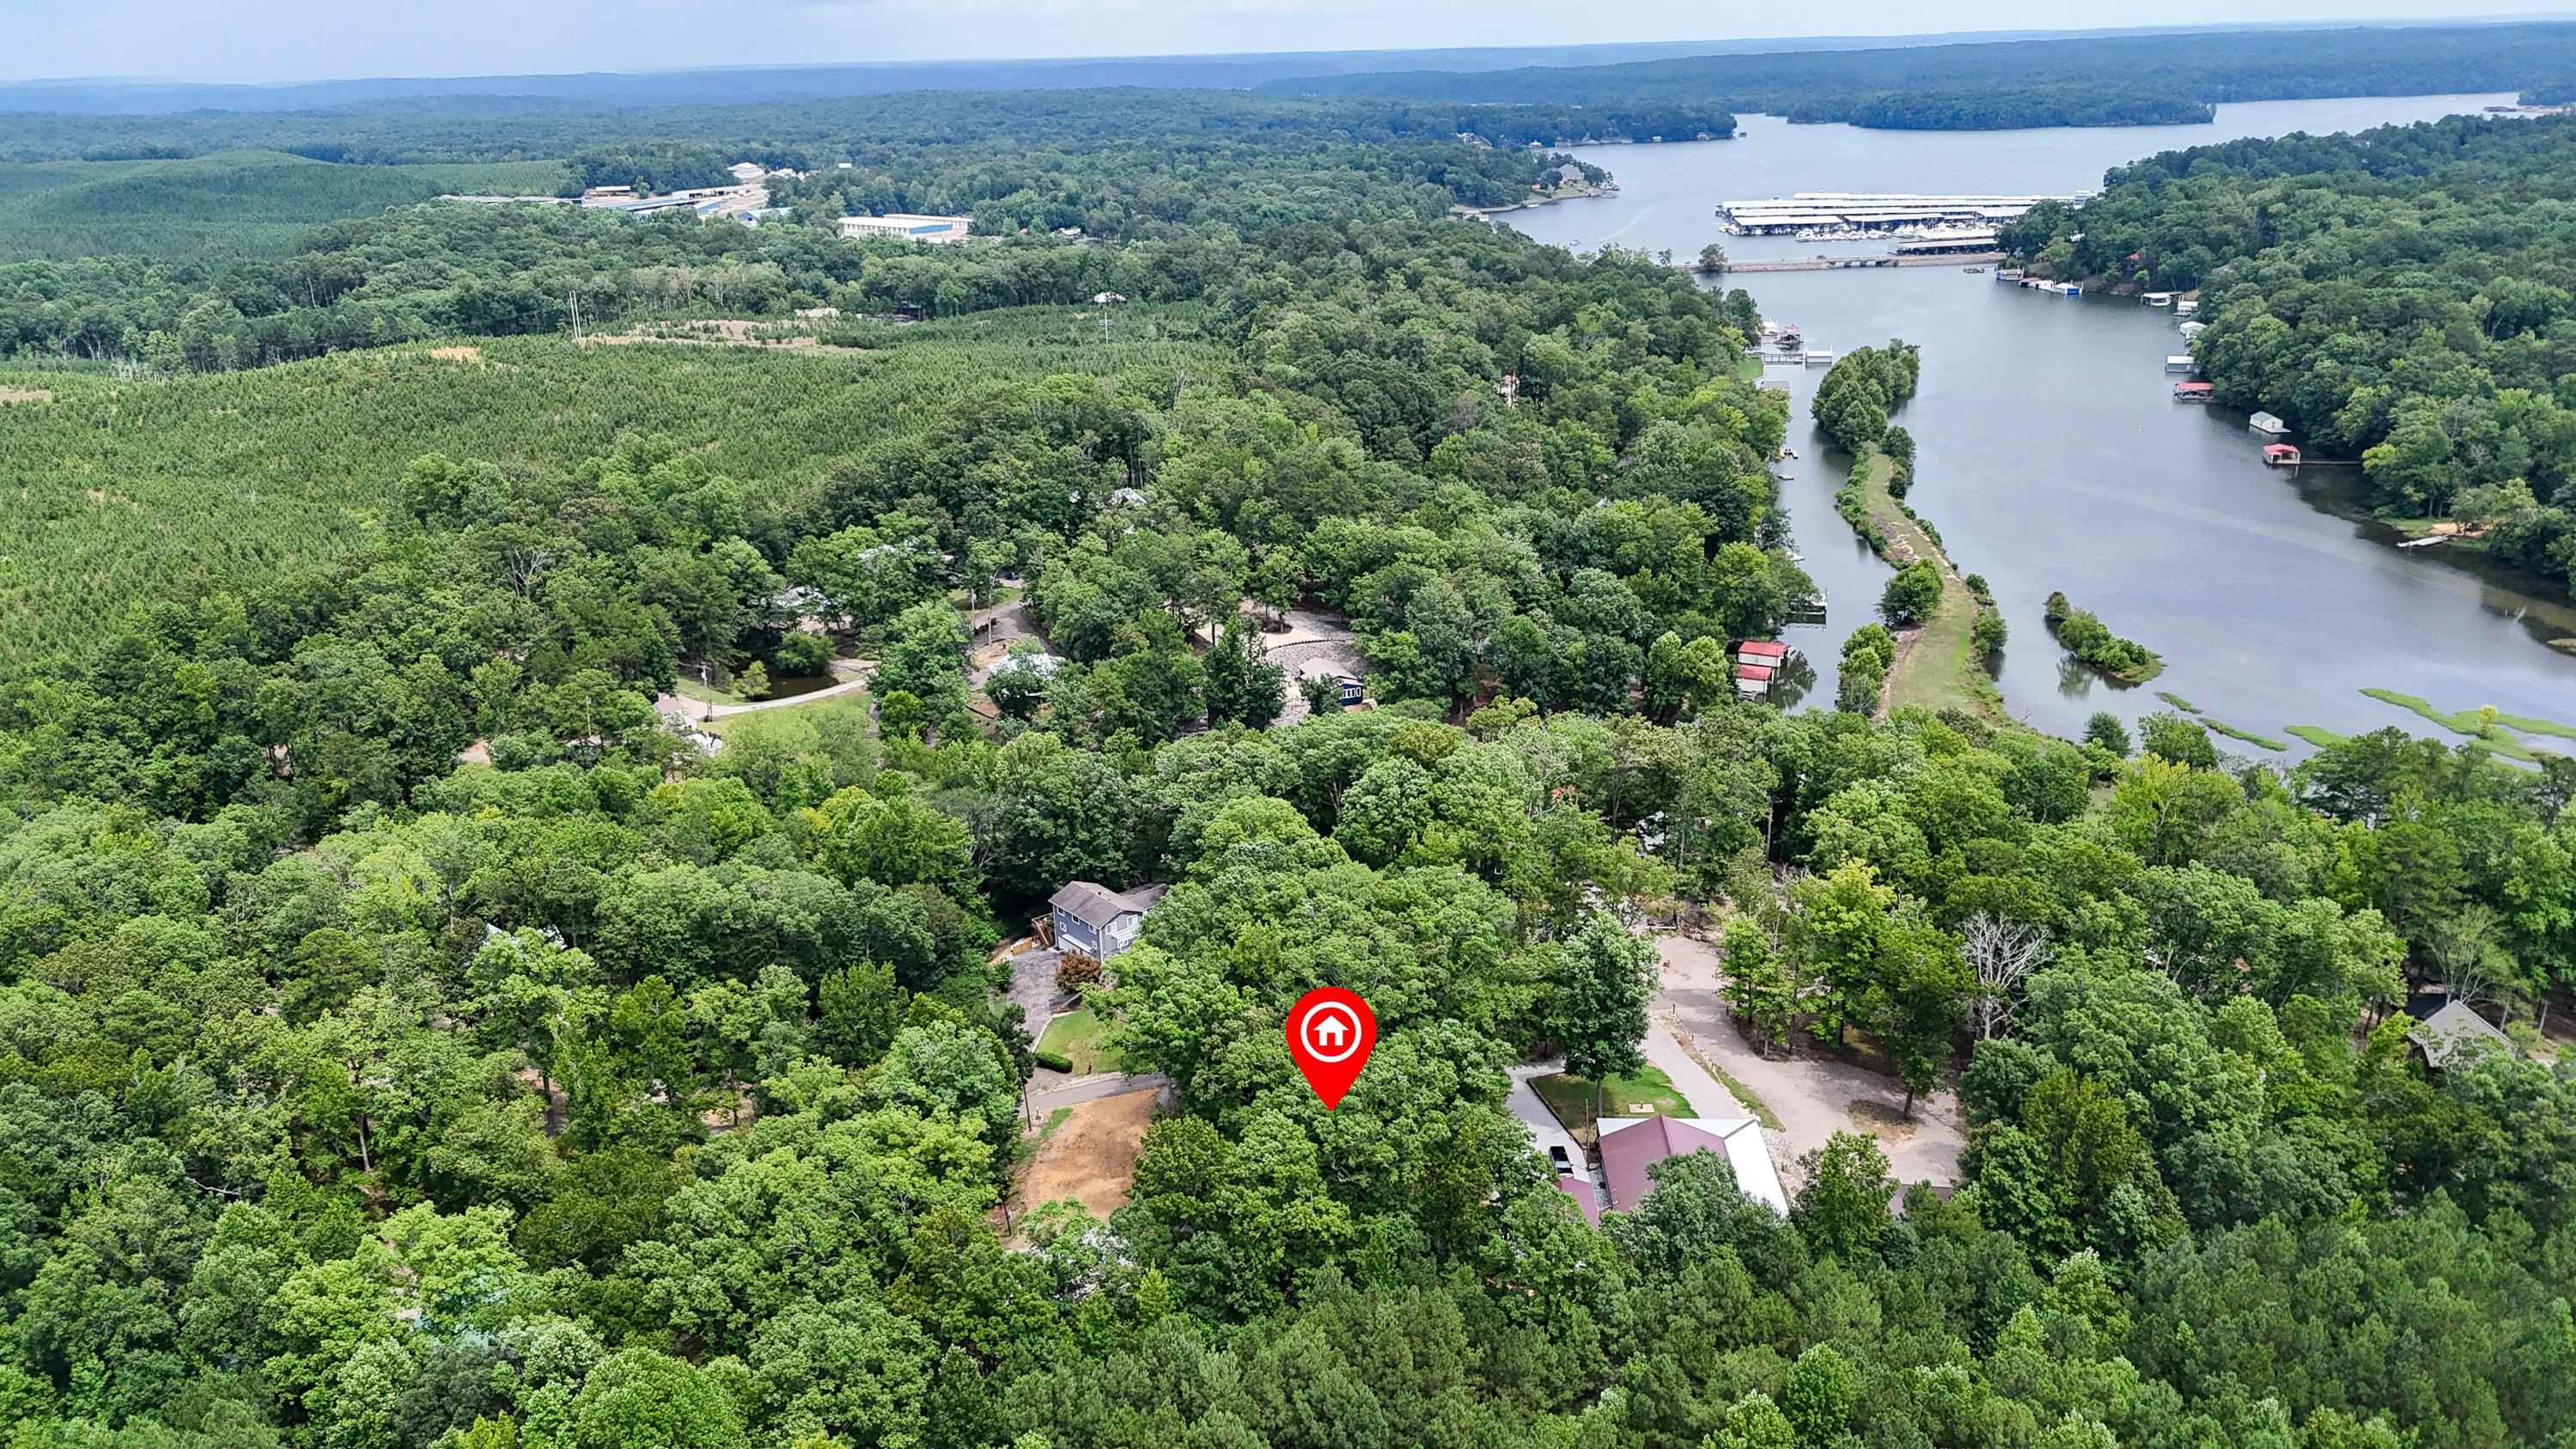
<point>1095,921</point>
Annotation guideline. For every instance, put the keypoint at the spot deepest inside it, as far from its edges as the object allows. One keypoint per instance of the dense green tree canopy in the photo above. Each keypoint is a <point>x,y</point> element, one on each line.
<point>410,1038</point>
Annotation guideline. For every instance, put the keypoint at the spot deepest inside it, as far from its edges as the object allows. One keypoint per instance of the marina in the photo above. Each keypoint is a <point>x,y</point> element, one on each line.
<point>1846,215</point>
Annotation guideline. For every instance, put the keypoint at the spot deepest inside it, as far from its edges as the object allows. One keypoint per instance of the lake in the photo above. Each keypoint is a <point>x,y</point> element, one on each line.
<point>2050,454</point>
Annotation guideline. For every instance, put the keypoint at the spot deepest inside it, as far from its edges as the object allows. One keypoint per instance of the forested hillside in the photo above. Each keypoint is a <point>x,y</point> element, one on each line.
<point>125,491</point>
<point>206,270</point>
<point>2092,81</point>
<point>862,130</point>
<point>410,1038</point>
<point>2405,296</point>
<point>224,205</point>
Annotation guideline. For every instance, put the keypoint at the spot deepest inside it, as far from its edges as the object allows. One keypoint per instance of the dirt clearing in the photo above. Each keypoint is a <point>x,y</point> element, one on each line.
<point>1091,1158</point>
<point>457,354</point>
<point>721,332</point>
<point>1811,1095</point>
<point>25,395</point>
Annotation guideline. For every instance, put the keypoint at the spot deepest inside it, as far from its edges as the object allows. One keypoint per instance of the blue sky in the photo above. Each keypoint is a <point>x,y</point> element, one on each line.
<point>269,40</point>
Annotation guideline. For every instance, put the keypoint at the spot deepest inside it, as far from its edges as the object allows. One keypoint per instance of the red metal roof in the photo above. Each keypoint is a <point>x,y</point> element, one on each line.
<point>2279,450</point>
<point>1764,647</point>
<point>1753,671</point>
<point>2195,387</point>
<point>1626,1154</point>
<point>1587,1198</point>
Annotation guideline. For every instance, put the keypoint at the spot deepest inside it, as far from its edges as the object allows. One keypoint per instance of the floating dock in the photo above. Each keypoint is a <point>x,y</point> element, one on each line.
<point>1859,263</point>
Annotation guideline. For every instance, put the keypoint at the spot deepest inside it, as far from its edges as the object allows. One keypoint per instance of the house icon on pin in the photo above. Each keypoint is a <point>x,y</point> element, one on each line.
<point>1329,1033</point>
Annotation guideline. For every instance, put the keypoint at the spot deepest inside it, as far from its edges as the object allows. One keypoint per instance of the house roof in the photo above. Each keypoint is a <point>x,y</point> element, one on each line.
<point>1094,904</point>
<point>1630,1145</point>
<point>1763,646</point>
<point>2452,1032</point>
<point>1753,671</point>
<point>1587,1198</point>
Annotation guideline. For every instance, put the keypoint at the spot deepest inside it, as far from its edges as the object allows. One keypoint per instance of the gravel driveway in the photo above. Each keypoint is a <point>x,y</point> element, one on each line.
<point>1813,1096</point>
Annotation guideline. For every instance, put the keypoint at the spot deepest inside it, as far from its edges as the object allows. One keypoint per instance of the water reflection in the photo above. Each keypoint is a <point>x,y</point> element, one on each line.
<point>1793,682</point>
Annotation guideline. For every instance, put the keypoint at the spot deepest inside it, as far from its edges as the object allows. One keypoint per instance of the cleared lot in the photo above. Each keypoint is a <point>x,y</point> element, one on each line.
<point>1091,1156</point>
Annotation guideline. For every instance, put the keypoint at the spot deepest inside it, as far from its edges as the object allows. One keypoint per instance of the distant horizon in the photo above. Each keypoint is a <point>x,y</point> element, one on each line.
<point>87,29</point>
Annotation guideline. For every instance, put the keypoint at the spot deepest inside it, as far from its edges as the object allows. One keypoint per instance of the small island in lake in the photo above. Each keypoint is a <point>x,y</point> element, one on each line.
<point>2090,640</point>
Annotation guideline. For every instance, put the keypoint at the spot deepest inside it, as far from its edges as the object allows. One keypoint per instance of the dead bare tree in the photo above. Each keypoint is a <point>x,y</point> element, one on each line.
<point>2003,954</point>
<point>2463,945</point>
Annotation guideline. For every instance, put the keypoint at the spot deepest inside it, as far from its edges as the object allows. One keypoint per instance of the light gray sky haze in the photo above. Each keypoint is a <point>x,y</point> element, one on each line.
<point>283,40</point>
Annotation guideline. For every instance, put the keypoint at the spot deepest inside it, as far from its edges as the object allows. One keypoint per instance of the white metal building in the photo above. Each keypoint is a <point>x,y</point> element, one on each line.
<point>907,224</point>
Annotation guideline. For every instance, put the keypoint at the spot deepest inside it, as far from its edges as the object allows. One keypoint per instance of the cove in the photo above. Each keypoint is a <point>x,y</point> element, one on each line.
<point>2052,456</point>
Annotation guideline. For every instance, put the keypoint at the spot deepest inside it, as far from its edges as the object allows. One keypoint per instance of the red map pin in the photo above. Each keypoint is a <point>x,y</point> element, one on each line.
<point>1330,1035</point>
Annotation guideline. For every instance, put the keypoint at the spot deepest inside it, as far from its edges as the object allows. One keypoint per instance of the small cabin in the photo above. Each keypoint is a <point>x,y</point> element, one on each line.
<point>2268,424</point>
<point>2457,1033</point>
<point>2280,455</point>
<point>1752,681</point>
<point>2199,392</point>
<point>2180,362</point>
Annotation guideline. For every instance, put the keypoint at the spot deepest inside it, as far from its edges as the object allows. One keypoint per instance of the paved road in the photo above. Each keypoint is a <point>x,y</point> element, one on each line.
<point>1706,1094</point>
<point>1072,1091</point>
<point>1000,623</point>
<point>1526,1105</point>
<point>1033,985</point>
<point>692,710</point>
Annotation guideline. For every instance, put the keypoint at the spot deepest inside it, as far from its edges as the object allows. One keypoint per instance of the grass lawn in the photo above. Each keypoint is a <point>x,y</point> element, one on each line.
<point>687,688</point>
<point>1748,369</point>
<point>1940,670</point>
<point>1076,1037</point>
<point>856,703</point>
<point>1570,1098</point>
<point>2317,735</point>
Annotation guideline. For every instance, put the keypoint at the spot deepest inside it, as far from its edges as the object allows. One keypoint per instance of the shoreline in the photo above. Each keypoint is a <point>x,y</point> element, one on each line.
<point>1587,193</point>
